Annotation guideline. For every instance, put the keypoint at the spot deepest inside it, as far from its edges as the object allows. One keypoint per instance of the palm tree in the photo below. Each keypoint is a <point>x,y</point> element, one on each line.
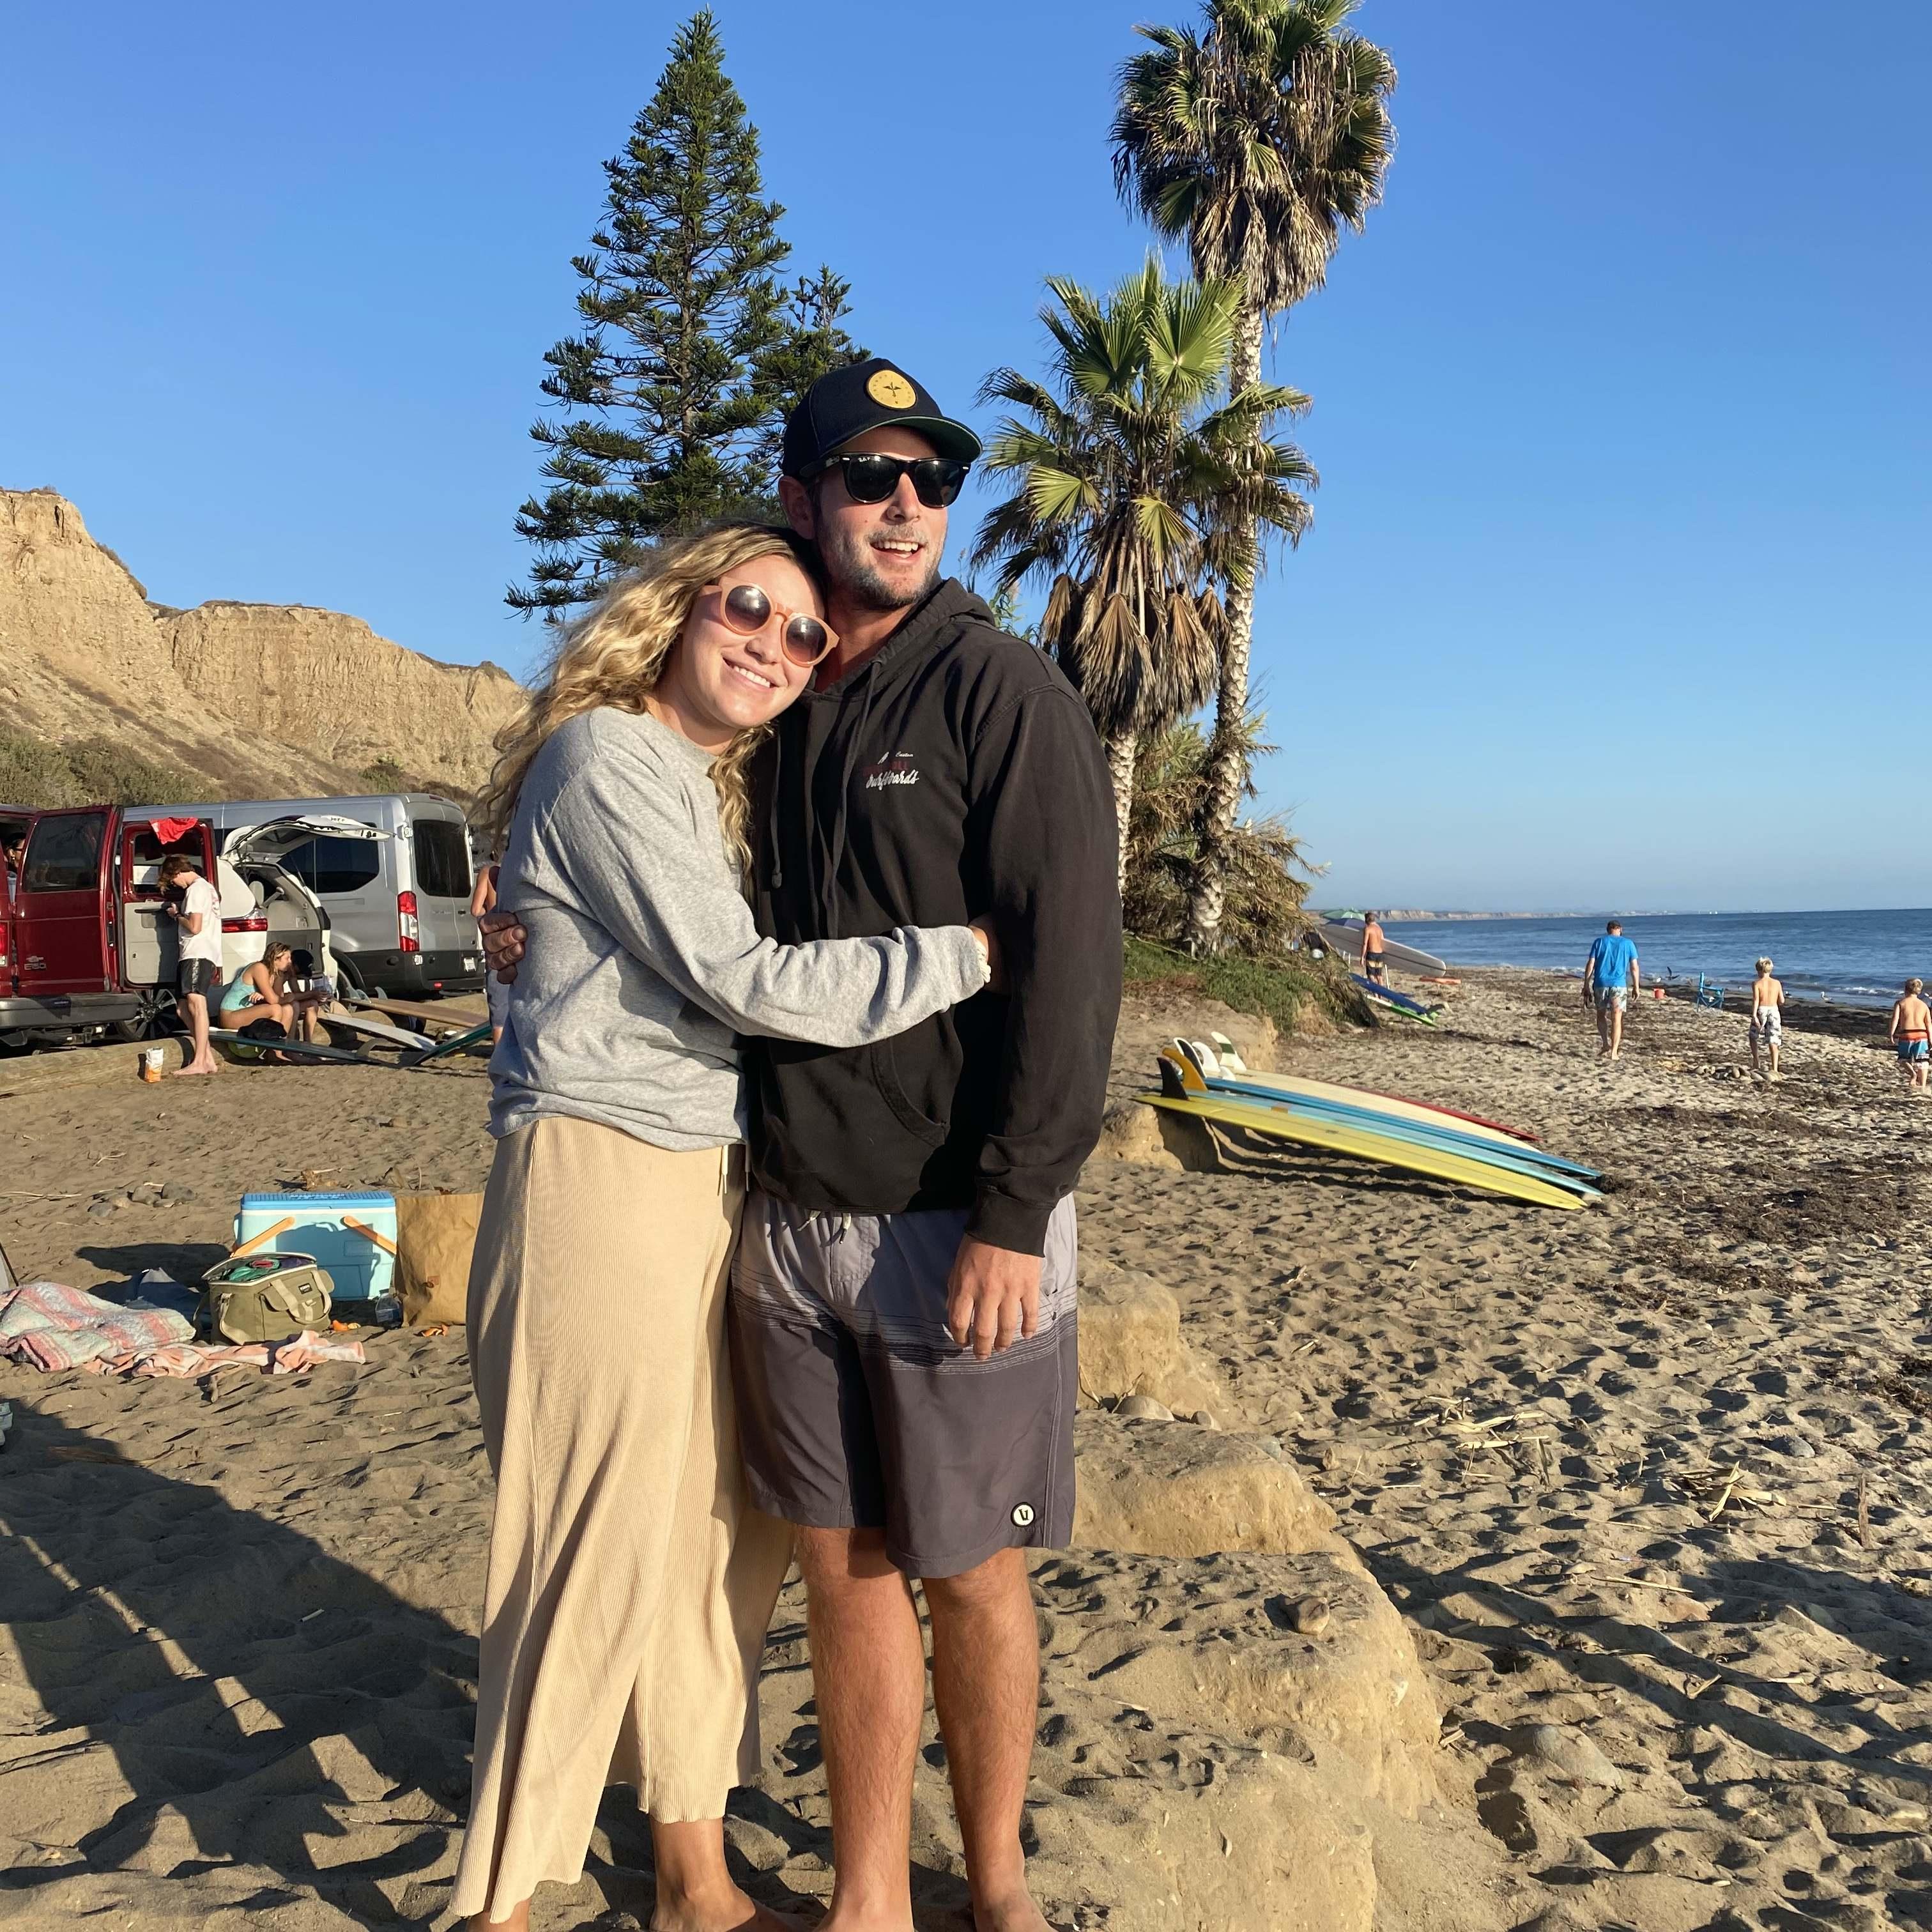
<point>1129,476</point>
<point>1254,140</point>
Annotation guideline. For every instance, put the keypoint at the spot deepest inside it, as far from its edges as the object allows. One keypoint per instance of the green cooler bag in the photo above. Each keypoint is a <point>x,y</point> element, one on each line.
<point>266,1298</point>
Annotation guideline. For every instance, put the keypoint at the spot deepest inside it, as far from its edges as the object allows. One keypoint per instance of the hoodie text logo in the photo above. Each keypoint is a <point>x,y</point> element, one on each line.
<point>898,769</point>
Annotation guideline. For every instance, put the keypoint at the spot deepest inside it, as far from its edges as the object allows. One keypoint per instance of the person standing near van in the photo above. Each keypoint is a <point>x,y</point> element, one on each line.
<point>197,917</point>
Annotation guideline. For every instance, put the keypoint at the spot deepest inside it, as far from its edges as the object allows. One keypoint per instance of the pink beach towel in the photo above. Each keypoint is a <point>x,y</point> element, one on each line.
<point>50,1326</point>
<point>192,1359</point>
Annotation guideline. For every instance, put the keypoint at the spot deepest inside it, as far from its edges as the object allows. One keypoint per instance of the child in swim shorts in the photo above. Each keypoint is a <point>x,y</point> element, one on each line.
<point>1911,1033</point>
<point>1767,1020</point>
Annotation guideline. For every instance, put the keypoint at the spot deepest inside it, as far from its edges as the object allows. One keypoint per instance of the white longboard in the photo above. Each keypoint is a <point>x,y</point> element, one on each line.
<point>390,1036</point>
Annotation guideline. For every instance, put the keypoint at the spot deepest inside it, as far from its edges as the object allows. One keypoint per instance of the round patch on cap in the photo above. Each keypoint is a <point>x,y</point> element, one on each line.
<point>1023,1515</point>
<point>890,390</point>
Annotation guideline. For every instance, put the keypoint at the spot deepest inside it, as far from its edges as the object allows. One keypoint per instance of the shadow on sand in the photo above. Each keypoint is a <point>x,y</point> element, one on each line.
<point>217,1690</point>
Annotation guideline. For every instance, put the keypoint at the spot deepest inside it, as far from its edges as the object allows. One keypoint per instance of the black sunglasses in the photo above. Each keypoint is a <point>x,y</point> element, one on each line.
<point>804,640</point>
<point>937,480</point>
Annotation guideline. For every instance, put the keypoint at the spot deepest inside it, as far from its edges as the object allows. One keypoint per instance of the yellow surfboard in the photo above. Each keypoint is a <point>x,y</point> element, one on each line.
<point>1365,1144</point>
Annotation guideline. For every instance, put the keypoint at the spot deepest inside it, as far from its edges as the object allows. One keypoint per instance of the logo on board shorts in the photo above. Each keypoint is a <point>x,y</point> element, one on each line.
<point>1023,1516</point>
<point>890,390</point>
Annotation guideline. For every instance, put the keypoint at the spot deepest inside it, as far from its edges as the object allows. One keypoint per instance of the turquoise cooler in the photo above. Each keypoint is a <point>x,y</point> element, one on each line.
<point>361,1270</point>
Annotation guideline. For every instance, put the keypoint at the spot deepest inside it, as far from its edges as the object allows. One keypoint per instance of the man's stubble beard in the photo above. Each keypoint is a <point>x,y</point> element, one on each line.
<point>848,564</point>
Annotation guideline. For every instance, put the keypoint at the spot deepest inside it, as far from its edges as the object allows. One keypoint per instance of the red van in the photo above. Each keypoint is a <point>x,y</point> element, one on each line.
<point>85,951</point>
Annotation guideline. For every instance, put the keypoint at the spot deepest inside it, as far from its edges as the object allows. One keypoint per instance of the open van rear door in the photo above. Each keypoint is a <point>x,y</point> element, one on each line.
<point>280,836</point>
<point>150,944</point>
<point>296,912</point>
<point>63,929</point>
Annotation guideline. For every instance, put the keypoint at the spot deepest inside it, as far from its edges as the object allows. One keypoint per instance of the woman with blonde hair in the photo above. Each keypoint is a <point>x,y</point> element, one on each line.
<point>630,1581</point>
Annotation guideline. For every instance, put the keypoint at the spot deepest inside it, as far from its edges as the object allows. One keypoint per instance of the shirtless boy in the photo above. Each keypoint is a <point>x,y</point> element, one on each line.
<point>1767,1021</point>
<point>1911,1033</point>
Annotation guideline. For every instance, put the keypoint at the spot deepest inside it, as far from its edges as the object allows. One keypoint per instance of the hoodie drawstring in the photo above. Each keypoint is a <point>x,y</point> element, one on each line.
<point>771,814</point>
<point>828,885</point>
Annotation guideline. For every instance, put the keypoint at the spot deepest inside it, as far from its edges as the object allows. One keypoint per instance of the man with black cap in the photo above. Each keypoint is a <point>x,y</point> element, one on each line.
<point>902,1308</point>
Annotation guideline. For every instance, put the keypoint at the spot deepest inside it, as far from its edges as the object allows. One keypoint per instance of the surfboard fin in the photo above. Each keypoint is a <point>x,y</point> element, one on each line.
<point>1229,1055</point>
<point>1199,1056</point>
<point>1180,1078</point>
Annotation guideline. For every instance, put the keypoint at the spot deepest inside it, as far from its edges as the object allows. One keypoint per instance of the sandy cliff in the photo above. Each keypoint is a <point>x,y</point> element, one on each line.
<point>265,697</point>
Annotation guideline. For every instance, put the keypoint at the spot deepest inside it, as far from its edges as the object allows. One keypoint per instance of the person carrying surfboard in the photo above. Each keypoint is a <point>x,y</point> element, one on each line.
<point>1375,963</point>
<point>1611,981</point>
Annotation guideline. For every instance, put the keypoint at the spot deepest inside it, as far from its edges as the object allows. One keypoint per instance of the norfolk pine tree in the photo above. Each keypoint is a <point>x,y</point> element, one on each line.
<point>662,401</point>
<point>813,344</point>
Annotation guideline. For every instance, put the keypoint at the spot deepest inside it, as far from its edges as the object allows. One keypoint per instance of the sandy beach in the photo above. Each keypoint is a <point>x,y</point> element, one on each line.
<point>1648,1485</point>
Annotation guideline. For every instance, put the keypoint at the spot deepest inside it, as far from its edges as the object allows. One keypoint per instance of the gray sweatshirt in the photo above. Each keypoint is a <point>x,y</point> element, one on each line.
<point>642,964</point>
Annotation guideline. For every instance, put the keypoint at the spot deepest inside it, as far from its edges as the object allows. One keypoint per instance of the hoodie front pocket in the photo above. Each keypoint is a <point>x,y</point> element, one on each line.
<point>917,1073</point>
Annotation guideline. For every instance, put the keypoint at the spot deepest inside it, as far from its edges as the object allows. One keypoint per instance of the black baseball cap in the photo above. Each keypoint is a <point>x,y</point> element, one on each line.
<point>867,395</point>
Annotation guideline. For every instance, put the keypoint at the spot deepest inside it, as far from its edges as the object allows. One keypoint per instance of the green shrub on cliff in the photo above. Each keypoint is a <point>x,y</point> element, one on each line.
<point>91,771</point>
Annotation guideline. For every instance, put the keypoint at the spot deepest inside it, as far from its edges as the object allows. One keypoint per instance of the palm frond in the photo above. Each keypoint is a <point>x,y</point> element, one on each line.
<point>1129,472</point>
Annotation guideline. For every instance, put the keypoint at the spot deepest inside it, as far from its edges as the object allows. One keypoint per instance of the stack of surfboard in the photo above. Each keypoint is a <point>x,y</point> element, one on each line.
<point>1199,1081</point>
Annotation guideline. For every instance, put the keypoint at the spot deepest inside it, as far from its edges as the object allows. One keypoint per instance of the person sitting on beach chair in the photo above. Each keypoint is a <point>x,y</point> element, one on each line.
<point>1767,1020</point>
<point>1911,1032</point>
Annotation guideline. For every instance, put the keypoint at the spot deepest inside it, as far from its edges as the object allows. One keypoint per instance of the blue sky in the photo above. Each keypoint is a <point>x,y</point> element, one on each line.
<point>1623,407</point>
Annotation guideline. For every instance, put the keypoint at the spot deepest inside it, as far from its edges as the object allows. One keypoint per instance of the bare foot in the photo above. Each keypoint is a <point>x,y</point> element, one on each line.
<point>1016,1914</point>
<point>730,1911</point>
<point>519,1921</point>
<point>183,1072</point>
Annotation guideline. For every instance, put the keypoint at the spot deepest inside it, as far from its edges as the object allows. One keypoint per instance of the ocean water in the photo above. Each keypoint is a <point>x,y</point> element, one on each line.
<point>1850,958</point>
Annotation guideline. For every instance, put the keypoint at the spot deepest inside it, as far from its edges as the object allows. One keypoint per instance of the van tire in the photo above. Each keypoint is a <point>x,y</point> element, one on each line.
<point>155,1020</point>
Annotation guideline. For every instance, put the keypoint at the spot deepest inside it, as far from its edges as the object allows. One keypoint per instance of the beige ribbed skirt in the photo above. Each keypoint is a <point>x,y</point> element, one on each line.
<point>630,1582</point>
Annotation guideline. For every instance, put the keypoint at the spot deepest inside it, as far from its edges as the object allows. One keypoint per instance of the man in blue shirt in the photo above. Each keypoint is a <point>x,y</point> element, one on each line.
<point>1610,983</point>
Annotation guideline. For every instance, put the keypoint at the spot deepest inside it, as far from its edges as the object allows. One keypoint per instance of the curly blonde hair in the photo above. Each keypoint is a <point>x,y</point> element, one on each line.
<point>615,656</point>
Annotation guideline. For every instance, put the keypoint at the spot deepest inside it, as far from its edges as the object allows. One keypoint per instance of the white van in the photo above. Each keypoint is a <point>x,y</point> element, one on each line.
<point>398,905</point>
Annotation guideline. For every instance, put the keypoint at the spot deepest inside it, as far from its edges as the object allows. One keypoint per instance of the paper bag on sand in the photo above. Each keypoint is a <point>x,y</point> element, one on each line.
<point>434,1235</point>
